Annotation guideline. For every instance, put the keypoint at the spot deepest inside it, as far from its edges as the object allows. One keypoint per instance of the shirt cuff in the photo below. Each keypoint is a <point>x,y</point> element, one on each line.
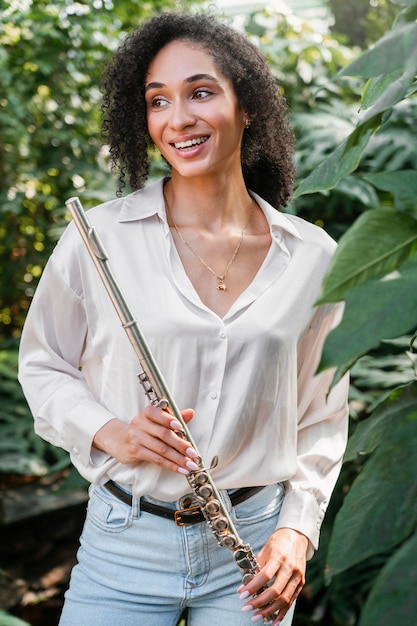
<point>302,512</point>
<point>81,425</point>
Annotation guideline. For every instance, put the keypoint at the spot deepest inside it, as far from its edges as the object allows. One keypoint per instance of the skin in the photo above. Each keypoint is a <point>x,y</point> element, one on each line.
<point>189,100</point>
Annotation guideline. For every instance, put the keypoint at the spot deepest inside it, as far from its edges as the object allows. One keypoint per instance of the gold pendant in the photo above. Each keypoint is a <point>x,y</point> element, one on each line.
<point>221,286</point>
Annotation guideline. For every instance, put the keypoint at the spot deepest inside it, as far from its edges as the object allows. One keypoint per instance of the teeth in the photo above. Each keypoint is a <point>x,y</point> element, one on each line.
<point>191,142</point>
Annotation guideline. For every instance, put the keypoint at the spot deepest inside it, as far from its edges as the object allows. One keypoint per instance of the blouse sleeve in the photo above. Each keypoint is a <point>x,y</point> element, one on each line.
<point>51,349</point>
<point>322,433</point>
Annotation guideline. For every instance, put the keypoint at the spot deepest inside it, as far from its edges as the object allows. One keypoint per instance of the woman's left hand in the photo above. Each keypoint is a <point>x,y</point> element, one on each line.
<point>282,560</point>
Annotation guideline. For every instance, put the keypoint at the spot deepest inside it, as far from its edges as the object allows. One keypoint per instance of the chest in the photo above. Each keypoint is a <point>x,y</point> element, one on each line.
<point>222,270</point>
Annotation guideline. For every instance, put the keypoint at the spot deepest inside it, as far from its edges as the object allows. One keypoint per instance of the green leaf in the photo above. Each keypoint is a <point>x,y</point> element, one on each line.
<point>396,50</point>
<point>393,598</point>
<point>341,162</point>
<point>398,408</point>
<point>402,185</point>
<point>378,242</point>
<point>380,509</point>
<point>375,310</point>
<point>375,87</point>
<point>393,94</point>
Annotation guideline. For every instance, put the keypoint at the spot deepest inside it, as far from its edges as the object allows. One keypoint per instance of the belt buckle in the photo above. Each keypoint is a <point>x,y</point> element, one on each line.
<point>180,512</point>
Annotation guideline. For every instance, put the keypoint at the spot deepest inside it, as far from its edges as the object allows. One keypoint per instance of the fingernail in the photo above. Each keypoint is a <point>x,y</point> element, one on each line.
<point>239,589</point>
<point>182,470</point>
<point>191,453</point>
<point>247,608</point>
<point>192,466</point>
<point>256,618</point>
<point>244,595</point>
<point>175,425</point>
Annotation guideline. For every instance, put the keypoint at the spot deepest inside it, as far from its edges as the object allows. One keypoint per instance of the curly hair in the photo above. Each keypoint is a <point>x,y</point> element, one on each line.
<point>267,145</point>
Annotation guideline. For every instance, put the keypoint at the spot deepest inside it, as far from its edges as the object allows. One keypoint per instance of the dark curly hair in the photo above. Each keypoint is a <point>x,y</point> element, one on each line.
<point>267,146</point>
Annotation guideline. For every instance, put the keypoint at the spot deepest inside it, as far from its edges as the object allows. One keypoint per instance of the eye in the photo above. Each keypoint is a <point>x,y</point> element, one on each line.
<point>158,102</point>
<point>201,93</point>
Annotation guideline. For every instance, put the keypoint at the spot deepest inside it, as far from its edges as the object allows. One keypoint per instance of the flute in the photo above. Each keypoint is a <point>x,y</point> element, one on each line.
<point>158,394</point>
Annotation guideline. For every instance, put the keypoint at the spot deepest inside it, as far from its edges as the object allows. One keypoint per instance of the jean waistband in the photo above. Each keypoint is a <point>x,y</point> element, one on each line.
<point>191,514</point>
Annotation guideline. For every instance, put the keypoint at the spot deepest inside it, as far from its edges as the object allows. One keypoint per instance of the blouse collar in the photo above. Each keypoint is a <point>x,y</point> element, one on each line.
<point>149,201</point>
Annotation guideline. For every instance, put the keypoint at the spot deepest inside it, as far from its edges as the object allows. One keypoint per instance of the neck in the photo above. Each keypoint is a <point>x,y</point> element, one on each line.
<point>208,204</point>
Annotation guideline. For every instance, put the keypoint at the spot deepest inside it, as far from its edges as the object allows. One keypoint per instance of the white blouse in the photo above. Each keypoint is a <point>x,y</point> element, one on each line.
<point>250,376</point>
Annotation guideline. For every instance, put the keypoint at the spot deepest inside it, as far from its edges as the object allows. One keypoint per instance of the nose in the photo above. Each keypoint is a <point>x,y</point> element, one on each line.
<point>181,114</point>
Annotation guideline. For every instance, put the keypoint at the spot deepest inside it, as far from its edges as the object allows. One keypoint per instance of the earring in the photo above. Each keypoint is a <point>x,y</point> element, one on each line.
<point>247,122</point>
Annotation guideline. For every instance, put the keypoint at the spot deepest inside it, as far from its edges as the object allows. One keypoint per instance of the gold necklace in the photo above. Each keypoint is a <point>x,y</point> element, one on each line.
<point>221,285</point>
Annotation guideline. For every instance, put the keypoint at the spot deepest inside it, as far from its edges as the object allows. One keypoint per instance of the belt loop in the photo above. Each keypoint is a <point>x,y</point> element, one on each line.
<point>135,507</point>
<point>225,496</point>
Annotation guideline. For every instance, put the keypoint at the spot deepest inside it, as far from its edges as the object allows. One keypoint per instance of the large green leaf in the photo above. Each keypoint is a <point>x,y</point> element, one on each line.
<point>402,185</point>
<point>375,310</point>
<point>396,50</point>
<point>380,509</point>
<point>378,242</point>
<point>393,598</point>
<point>341,162</point>
<point>375,87</point>
<point>399,407</point>
<point>394,93</point>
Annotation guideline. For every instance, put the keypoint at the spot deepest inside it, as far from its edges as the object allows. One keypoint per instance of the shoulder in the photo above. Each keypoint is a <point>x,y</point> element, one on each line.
<point>297,231</point>
<point>135,206</point>
<point>111,219</point>
<point>313,234</point>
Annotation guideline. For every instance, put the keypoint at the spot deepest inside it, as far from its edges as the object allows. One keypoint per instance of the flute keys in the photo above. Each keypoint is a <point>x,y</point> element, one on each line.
<point>212,507</point>
<point>243,561</point>
<point>220,523</point>
<point>228,541</point>
<point>205,491</point>
<point>201,478</point>
<point>246,578</point>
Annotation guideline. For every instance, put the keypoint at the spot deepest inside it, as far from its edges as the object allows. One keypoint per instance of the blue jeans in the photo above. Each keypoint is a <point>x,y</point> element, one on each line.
<point>139,569</point>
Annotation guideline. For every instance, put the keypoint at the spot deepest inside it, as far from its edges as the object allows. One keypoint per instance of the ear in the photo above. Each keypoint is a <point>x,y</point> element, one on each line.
<point>248,119</point>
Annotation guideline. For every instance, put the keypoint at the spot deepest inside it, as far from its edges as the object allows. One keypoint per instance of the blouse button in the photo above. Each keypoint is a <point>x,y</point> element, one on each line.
<point>75,450</point>
<point>222,335</point>
<point>213,395</point>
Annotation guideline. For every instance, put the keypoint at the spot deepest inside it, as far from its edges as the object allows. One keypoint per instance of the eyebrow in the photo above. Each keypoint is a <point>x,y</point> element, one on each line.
<point>191,79</point>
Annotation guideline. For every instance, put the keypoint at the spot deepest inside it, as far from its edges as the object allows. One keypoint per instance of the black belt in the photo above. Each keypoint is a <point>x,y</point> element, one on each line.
<point>182,517</point>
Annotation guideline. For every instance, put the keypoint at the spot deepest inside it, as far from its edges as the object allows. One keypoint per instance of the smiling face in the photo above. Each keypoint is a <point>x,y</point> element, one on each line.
<point>193,114</point>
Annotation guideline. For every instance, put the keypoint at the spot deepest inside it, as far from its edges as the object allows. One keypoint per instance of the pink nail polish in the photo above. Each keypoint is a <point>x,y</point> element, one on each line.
<point>256,618</point>
<point>182,470</point>
<point>244,595</point>
<point>247,608</point>
<point>191,453</point>
<point>192,466</point>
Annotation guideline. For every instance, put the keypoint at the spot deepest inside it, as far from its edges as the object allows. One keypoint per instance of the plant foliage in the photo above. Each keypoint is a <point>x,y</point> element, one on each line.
<point>51,58</point>
<point>374,271</point>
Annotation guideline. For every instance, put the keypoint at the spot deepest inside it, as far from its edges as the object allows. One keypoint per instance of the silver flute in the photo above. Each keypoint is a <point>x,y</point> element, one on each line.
<point>155,387</point>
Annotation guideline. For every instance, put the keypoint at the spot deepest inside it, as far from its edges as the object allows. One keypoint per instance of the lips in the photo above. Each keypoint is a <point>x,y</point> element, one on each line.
<point>190,143</point>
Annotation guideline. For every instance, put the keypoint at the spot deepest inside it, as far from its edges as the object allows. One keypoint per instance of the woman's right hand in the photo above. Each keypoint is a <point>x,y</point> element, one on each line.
<point>150,437</point>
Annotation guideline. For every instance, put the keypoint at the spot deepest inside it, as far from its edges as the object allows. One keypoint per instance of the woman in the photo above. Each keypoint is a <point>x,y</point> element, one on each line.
<point>224,287</point>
